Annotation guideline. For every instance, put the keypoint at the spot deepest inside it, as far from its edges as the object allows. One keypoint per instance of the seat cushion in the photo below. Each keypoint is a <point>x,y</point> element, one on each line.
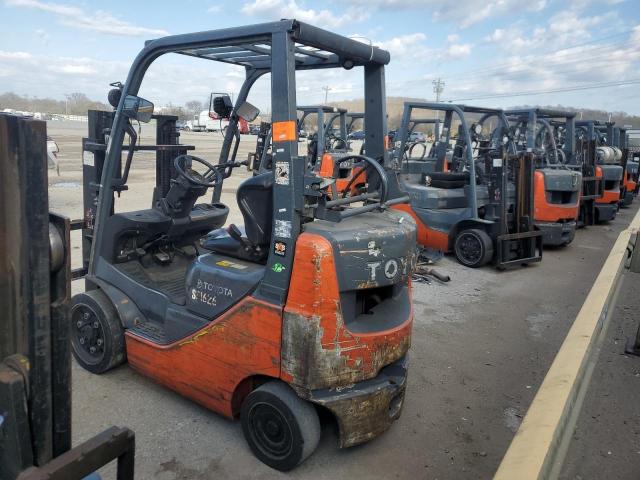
<point>446,179</point>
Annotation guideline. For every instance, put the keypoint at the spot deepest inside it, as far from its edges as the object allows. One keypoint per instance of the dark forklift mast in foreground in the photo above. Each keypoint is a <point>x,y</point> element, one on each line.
<point>35,360</point>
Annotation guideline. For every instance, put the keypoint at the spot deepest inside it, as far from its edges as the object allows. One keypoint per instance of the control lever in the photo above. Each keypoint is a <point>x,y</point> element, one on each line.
<point>236,234</point>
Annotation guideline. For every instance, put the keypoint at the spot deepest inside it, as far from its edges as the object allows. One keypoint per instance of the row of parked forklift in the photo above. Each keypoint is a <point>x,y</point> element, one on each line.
<point>494,185</point>
<point>306,307</point>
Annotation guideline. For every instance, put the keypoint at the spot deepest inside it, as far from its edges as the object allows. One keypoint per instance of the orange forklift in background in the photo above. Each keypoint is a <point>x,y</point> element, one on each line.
<point>556,186</point>
<point>592,134</point>
<point>306,305</point>
<point>328,145</point>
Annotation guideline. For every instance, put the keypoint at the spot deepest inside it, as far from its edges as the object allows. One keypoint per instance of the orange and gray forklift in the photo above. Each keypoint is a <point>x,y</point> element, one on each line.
<point>630,174</point>
<point>557,186</point>
<point>592,135</point>
<point>305,306</point>
<point>327,144</point>
<point>472,194</point>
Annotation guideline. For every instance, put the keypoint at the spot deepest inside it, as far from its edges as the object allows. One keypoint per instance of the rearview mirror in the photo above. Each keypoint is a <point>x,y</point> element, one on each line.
<point>248,112</point>
<point>137,108</point>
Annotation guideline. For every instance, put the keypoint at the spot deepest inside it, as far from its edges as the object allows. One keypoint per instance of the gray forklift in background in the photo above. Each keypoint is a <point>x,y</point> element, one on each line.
<point>473,194</point>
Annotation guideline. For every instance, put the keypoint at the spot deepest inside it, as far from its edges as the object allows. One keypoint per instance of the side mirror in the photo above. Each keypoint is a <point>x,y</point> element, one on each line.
<point>137,108</point>
<point>222,106</point>
<point>248,112</point>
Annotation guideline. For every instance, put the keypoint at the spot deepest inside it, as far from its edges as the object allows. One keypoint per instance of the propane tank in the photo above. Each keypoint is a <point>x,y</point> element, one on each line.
<point>608,154</point>
<point>618,154</point>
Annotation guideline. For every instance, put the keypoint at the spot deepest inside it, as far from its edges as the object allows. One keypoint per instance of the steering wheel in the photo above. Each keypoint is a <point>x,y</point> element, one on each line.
<point>384,187</point>
<point>209,178</point>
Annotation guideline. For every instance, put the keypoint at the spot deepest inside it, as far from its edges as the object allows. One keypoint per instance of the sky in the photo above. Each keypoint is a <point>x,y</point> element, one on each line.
<point>496,53</point>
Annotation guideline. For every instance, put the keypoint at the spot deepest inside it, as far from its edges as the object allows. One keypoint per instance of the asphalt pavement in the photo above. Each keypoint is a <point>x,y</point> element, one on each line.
<point>481,347</point>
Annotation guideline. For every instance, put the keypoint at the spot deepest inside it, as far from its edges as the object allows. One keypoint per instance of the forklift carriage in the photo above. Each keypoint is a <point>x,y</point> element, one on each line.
<point>475,198</point>
<point>307,305</point>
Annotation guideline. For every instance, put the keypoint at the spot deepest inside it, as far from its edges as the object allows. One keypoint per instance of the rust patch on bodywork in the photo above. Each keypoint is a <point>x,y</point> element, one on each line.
<point>318,351</point>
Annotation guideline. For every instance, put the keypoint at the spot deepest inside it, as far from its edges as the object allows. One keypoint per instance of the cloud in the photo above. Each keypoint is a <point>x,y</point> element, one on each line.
<point>214,9</point>
<point>164,81</point>
<point>456,51</point>
<point>550,67</point>
<point>463,13</point>
<point>277,9</point>
<point>76,17</point>
<point>405,47</point>
<point>14,55</point>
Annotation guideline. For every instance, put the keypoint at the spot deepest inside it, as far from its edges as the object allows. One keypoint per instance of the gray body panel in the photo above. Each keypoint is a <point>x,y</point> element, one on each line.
<point>611,172</point>
<point>561,180</point>
<point>372,249</point>
<point>216,282</point>
<point>606,211</point>
<point>557,233</point>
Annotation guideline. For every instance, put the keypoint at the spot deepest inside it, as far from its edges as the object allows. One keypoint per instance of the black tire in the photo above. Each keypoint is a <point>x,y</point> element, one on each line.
<point>97,336</point>
<point>281,429</point>
<point>473,248</point>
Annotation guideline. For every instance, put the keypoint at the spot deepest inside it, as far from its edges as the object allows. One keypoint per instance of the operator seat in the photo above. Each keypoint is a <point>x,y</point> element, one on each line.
<point>255,199</point>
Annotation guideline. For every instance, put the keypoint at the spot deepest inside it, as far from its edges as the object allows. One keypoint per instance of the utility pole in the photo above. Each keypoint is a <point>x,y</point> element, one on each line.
<point>438,88</point>
<point>326,89</point>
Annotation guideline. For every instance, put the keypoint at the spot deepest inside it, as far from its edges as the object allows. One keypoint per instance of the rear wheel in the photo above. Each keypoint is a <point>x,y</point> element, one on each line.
<point>473,248</point>
<point>281,429</point>
<point>97,336</point>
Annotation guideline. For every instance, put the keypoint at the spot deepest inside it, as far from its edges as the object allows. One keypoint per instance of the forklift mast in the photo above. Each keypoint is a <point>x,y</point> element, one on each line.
<point>35,354</point>
<point>166,147</point>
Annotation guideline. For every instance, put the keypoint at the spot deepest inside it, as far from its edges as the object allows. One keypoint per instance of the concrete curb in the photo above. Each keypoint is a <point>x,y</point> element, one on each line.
<point>540,444</point>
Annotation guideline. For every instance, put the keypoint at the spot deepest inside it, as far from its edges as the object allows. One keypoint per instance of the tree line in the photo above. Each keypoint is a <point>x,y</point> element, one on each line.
<point>78,104</point>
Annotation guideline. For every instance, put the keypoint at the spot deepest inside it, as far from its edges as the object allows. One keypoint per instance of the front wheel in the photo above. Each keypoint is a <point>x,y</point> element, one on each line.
<point>97,336</point>
<point>281,429</point>
<point>473,248</point>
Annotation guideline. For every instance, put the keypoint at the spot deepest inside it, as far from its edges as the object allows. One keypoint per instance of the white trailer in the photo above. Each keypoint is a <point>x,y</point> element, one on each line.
<point>203,122</point>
